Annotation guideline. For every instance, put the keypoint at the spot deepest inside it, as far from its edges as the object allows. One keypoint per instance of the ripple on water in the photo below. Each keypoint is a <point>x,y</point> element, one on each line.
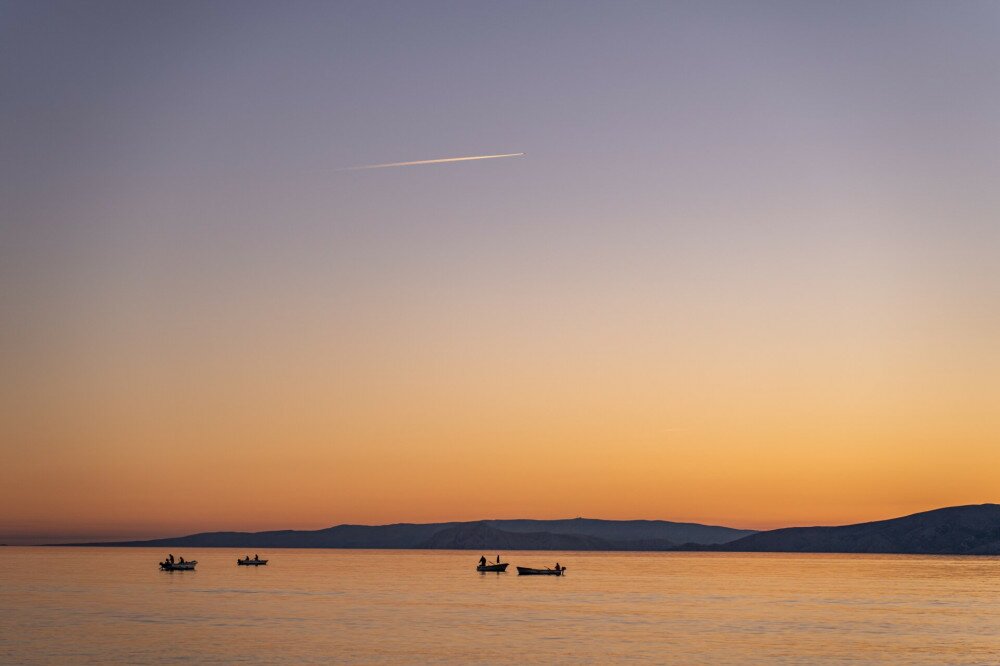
<point>363,607</point>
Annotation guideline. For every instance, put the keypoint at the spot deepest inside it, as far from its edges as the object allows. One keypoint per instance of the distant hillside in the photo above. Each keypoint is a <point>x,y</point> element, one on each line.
<point>403,535</point>
<point>477,536</point>
<point>575,534</point>
<point>957,530</point>
<point>627,530</point>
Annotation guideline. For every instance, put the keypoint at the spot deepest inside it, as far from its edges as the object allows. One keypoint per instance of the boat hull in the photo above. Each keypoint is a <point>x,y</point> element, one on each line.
<point>526,571</point>
<point>178,566</point>
<point>251,563</point>
<point>499,568</point>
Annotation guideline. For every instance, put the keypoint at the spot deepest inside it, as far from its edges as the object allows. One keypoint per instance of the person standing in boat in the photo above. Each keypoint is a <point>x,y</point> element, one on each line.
<point>498,559</point>
<point>482,561</point>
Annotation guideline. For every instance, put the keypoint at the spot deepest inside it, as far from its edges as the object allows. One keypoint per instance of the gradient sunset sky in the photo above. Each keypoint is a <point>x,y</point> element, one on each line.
<point>747,272</point>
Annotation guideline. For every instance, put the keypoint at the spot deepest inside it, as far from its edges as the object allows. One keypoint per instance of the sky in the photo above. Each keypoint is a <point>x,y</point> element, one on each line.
<point>745,272</point>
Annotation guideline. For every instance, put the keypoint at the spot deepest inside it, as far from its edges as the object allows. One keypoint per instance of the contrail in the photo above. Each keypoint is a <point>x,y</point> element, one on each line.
<point>438,161</point>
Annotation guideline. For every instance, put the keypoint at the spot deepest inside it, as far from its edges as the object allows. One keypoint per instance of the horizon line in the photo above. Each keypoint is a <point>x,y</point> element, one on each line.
<point>3,538</point>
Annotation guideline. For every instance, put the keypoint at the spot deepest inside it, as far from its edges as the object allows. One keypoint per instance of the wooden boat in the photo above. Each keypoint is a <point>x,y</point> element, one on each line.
<point>250,563</point>
<point>178,566</point>
<point>499,568</point>
<point>526,571</point>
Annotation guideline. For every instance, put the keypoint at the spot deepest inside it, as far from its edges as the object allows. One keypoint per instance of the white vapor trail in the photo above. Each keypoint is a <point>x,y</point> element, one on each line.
<point>438,161</point>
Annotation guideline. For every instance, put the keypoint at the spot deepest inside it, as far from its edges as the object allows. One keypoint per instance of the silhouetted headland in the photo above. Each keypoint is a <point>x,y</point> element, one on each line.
<point>572,534</point>
<point>959,530</point>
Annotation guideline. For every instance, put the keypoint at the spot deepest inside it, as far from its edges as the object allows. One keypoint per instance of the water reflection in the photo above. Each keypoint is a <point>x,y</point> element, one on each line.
<point>79,605</point>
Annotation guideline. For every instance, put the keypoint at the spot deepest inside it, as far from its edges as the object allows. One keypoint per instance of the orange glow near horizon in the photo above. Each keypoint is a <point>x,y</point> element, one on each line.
<point>421,428</point>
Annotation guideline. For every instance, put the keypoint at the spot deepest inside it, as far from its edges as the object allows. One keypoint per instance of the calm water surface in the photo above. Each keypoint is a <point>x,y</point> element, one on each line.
<point>91,605</point>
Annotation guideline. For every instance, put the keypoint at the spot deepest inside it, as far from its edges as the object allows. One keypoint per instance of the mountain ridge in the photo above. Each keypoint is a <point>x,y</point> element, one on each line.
<point>970,529</point>
<point>530,534</point>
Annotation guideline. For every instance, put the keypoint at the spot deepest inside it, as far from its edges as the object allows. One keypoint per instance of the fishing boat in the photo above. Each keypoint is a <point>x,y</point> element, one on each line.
<point>250,563</point>
<point>499,568</point>
<point>526,571</point>
<point>178,566</point>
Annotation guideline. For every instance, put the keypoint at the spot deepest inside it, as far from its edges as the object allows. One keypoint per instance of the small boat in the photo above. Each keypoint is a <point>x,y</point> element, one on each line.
<point>250,563</point>
<point>526,571</point>
<point>499,568</point>
<point>178,566</point>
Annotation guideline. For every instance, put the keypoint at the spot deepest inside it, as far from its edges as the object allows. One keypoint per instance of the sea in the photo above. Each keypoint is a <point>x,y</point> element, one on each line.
<point>113,605</point>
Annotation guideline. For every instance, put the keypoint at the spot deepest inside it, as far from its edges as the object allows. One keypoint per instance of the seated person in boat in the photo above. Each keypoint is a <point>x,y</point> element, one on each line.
<point>558,568</point>
<point>482,561</point>
<point>256,557</point>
